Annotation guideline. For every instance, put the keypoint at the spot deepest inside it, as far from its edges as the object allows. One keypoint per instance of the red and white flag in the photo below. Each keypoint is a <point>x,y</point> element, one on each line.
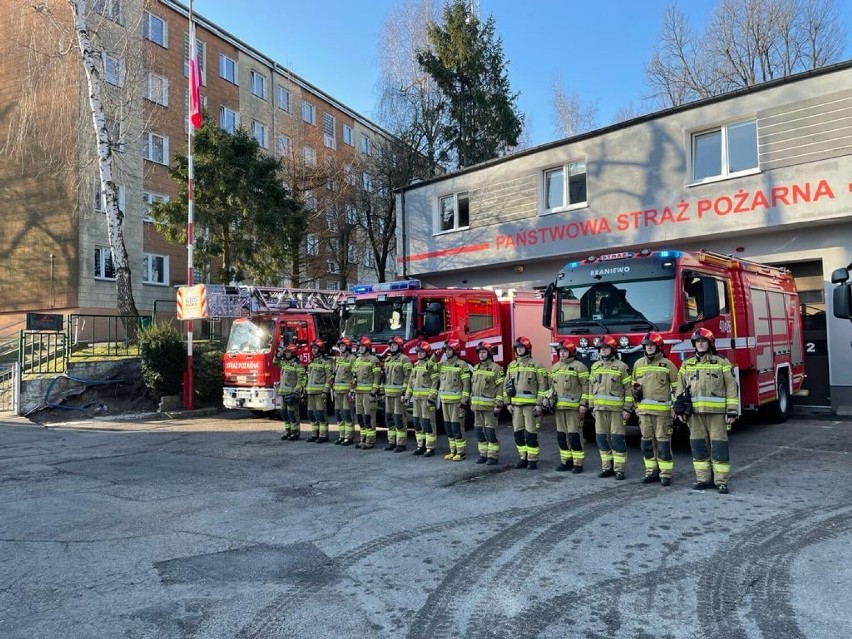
<point>195,117</point>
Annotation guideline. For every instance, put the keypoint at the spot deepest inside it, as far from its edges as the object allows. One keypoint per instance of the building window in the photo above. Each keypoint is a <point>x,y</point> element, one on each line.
<point>351,214</point>
<point>283,99</point>
<point>110,9</point>
<point>565,187</point>
<point>258,132</point>
<point>312,244</point>
<point>156,89</point>
<point>309,113</point>
<point>329,130</point>
<point>369,258</point>
<point>332,266</point>
<point>310,201</point>
<point>155,29</point>
<point>149,199</point>
<point>113,70</point>
<point>365,145</point>
<point>227,68</point>
<point>283,144</point>
<point>201,48</point>
<point>104,269</point>
<point>310,156</point>
<point>229,120</point>
<point>155,269</point>
<point>258,85</point>
<point>348,138</point>
<point>352,253</point>
<point>155,147</point>
<point>454,213</point>
<point>724,151</point>
<point>333,285</point>
<point>366,182</point>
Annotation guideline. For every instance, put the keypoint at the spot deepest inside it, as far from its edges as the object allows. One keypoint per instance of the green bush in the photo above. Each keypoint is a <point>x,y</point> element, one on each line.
<point>163,354</point>
<point>208,373</point>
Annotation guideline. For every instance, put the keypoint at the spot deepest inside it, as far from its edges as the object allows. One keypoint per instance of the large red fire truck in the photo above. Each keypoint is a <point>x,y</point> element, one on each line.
<point>264,318</point>
<point>752,309</point>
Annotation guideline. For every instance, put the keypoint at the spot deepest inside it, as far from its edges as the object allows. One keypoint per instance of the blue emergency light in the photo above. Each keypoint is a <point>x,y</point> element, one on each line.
<point>402,285</point>
<point>674,254</point>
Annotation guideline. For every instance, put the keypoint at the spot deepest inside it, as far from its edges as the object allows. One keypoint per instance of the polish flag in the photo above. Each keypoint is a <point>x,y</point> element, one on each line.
<point>195,117</point>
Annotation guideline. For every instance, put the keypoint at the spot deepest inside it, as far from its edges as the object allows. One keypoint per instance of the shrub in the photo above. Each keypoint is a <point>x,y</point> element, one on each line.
<point>163,354</point>
<point>208,373</point>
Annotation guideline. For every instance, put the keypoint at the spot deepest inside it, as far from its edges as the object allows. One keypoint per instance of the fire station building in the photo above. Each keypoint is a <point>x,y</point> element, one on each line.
<point>763,173</point>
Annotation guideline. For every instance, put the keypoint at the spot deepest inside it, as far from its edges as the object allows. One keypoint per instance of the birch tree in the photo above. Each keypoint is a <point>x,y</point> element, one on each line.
<point>571,116</point>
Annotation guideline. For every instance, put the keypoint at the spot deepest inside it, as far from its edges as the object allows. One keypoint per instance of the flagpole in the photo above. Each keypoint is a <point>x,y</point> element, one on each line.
<point>188,380</point>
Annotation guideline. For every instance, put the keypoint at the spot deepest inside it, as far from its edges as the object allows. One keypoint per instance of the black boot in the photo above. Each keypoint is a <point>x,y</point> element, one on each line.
<point>564,466</point>
<point>701,485</point>
<point>312,439</point>
<point>482,460</point>
<point>577,469</point>
<point>399,449</point>
<point>723,489</point>
<point>650,478</point>
<point>492,461</point>
<point>429,452</point>
<point>390,446</point>
<point>532,465</point>
<point>665,481</point>
<point>522,463</point>
<point>606,472</point>
<point>620,476</point>
<point>419,450</point>
<point>322,440</point>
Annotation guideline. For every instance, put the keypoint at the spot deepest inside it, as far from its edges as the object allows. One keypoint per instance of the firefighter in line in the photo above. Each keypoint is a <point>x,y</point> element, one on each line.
<point>654,382</point>
<point>610,388</point>
<point>366,375</point>
<point>341,385</point>
<point>318,388</point>
<point>290,387</point>
<point>422,391</point>
<point>454,393</point>
<point>486,400</point>
<point>708,400</point>
<point>397,371</point>
<point>526,386</point>
<point>569,383</point>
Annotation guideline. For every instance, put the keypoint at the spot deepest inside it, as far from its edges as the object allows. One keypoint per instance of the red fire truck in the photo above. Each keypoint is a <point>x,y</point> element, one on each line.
<point>752,309</point>
<point>265,317</point>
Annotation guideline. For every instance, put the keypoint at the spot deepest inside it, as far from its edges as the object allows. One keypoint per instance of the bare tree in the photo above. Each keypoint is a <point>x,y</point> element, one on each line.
<point>745,42</point>
<point>570,115</point>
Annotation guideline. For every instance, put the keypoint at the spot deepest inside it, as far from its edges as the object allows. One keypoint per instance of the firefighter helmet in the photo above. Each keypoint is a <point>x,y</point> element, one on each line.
<point>704,333</point>
<point>455,344</point>
<point>345,342</point>
<point>423,347</point>
<point>291,348</point>
<point>653,338</point>
<point>396,339</point>
<point>365,341</point>
<point>525,342</point>
<point>485,346</point>
<point>567,345</point>
<point>609,340</point>
<point>319,343</point>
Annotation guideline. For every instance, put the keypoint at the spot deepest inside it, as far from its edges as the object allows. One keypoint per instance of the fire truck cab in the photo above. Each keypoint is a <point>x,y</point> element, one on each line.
<point>752,309</point>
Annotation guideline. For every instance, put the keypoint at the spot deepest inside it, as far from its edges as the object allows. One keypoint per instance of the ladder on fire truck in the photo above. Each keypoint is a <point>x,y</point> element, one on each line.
<point>244,301</point>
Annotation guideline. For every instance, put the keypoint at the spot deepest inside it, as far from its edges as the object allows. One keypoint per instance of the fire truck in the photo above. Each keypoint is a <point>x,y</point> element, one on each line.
<point>264,318</point>
<point>752,309</point>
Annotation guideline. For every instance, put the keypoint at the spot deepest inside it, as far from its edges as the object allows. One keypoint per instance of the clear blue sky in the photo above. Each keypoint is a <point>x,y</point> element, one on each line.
<point>599,49</point>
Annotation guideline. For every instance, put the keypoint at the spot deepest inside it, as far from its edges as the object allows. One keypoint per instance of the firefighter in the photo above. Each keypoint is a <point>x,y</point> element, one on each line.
<point>290,387</point>
<point>342,382</point>
<point>397,371</point>
<point>569,383</point>
<point>422,391</point>
<point>366,375</point>
<point>486,400</point>
<point>526,386</point>
<point>654,381</point>
<point>318,387</point>
<point>454,393</point>
<point>611,395</point>
<point>708,400</point>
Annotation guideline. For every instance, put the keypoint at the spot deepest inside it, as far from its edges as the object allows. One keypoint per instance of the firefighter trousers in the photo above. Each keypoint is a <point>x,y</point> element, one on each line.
<point>485,426</point>
<point>454,416</point>
<point>290,417</point>
<point>343,412</point>
<point>424,424</point>
<point>656,429</point>
<point>609,435</point>
<point>396,413</point>
<point>526,426</point>
<point>365,414</point>
<point>708,438</point>
<point>569,423</point>
<point>316,413</point>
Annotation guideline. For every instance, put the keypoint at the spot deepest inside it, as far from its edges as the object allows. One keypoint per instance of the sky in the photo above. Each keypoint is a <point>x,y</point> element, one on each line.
<point>597,49</point>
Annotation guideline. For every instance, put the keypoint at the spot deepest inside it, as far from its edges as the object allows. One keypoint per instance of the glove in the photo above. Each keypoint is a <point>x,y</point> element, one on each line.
<point>625,414</point>
<point>464,404</point>
<point>432,400</point>
<point>352,395</point>
<point>637,393</point>
<point>730,418</point>
<point>511,391</point>
<point>682,405</point>
<point>583,410</point>
<point>498,410</point>
<point>406,399</point>
<point>374,394</point>
<point>537,411</point>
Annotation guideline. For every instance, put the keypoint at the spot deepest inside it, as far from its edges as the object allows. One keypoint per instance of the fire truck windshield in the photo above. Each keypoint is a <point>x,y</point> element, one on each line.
<point>250,337</point>
<point>622,305</point>
<point>380,320</point>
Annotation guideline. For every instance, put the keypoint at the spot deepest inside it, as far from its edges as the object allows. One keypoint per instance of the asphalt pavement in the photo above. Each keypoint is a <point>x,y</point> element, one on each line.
<point>213,527</point>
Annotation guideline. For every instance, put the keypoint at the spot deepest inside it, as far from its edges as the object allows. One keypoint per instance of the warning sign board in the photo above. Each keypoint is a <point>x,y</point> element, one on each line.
<point>191,302</point>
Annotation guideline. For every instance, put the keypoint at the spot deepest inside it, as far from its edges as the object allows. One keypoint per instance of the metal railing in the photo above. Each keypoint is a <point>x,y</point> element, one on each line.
<point>104,335</point>
<point>10,387</point>
<point>42,352</point>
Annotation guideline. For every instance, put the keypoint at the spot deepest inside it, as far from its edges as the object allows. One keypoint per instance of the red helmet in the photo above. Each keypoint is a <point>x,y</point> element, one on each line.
<point>609,340</point>
<point>485,346</point>
<point>525,342</point>
<point>423,347</point>
<point>319,343</point>
<point>567,345</point>
<point>454,344</point>
<point>292,348</point>
<point>345,342</point>
<point>653,338</point>
<point>704,333</point>
<point>396,339</point>
<point>365,341</point>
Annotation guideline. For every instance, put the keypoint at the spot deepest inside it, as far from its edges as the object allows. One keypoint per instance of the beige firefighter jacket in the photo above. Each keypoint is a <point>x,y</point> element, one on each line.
<point>610,385</point>
<point>569,382</point>
<point>711,384</point>
<point>657,377</point>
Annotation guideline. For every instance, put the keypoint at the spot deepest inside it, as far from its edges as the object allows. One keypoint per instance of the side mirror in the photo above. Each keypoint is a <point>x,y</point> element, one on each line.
<point>547,309</point>
<point>688,326</point>
<point>842,302</point>
<point>839,276</point>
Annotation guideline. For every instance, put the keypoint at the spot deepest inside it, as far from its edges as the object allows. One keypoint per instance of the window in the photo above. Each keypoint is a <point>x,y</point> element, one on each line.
<point>155,29</point>
<point>309,113</point>
<point>201,48</point>
<point>366,182</point>
<point>113,127</point>
<point>283,99</point>
<point>227,68</point>
<point>104,269</point>
<point>310,201</point>
<point>258,132</point>
<point>333,285</point>
<point>480,313</point>
<point>369,259</point>
<point>283,144</point>
<point>312,244</point>
<point>110,9</point>
<point>149,199</point>
<point>155,269</point>
<point>100,202</point>
<point>348,138</point>
<point>310,156</point>
<point>258,85</point>
<point>332,266</point>
<point>565,187</point>
<point>156,89</point>
<point>365,145</point>
<point>454,212</point>
<point>352,253</point>
<point>704,297</point>
<point>349,174</point>
<point>351,214</point>
<point>331,218</point>
<point>155,147</point>
<point>113,70</point>
<point>724,151</point>
<point>229,120</point>
<point>329,130</point>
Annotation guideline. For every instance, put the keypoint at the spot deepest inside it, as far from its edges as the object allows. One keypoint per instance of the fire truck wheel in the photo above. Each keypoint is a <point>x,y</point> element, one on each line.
<point>779,410</point>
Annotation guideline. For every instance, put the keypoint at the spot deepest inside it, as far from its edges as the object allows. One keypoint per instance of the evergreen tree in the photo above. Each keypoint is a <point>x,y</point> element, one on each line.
<point>480,115</point>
